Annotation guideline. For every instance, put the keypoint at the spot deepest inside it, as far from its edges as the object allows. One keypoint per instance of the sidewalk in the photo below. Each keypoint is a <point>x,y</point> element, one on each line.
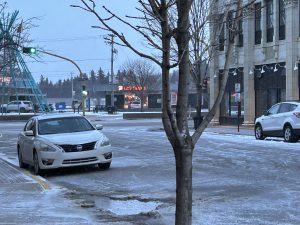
<point>26,199</point>
<point>231,130</point>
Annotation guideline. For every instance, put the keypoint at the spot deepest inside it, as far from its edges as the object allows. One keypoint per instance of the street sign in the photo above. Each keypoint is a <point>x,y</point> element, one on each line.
<point>237,87</point>
<point>237,97</point>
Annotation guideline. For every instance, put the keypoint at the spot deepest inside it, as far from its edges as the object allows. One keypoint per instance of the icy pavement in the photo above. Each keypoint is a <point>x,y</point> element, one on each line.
<point>27,199</point>
<point>236,179</point>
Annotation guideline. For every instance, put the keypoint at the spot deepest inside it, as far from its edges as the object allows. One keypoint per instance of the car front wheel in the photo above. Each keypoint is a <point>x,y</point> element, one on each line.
<point>259,132</point>
<point>289,135</point>
<point>20,158</point>
<point>36,166</point>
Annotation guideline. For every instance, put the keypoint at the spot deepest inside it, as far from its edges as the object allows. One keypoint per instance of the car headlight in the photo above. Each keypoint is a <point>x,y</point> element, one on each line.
<point>45,147</point>
<point>103,142</point>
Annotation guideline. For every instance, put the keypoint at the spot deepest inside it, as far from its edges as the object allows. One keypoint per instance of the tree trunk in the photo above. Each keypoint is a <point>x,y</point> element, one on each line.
<point>142,101</point>
<point>184,186</point>
<point>199,100</point>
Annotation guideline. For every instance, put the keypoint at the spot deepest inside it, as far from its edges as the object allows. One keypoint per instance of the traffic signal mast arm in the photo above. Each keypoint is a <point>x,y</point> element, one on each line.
<point>32,50</point>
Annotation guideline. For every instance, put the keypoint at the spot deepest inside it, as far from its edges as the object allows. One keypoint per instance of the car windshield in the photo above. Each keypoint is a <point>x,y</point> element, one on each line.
<point>63,125</point>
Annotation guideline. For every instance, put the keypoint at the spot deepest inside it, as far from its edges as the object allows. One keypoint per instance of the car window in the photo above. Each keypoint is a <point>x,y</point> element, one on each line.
<point>29,125</point>
<point>284,107</point>
<point>274,109</point>
<point>64,125</point>
<point>293,107</point>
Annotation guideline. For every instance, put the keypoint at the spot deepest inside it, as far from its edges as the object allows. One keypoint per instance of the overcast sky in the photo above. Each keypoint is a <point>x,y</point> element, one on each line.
<point>67,31</point>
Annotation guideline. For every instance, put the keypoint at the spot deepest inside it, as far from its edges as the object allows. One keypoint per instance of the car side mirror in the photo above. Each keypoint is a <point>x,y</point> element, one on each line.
<point>29,133</point>
<point>99,126</point>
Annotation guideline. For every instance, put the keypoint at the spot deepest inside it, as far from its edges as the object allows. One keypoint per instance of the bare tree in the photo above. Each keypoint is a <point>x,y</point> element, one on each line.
<point>200,53</point>
<point>14,33</point>
<point>169,22</point>
<point>141,75</point>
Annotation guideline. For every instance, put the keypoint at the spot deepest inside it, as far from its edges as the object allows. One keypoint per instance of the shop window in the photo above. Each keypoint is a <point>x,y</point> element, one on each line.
<point>229,104</point>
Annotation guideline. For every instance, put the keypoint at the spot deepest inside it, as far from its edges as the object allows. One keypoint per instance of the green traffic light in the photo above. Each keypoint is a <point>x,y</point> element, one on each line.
<point>32,50</point>
<point>84,93</point>
<point>29,50</point>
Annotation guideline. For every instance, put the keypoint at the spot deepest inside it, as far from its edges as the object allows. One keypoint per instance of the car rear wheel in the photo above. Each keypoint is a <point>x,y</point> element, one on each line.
<point>22,110</point>
<point>104,165</point>
<point>36,166</point>
<point>20,158</point>
<point>259,132</point>
<point>289,134</point>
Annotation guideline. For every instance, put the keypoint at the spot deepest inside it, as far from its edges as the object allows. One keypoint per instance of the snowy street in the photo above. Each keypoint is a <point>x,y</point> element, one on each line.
<point>236,179</point>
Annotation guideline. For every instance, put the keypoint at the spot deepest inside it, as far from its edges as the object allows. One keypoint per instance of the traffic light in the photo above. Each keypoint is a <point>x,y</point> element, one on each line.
<point>29,50</point>
<point>84,92</point>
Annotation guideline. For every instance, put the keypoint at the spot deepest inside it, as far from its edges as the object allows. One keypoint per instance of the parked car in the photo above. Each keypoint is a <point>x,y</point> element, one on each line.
<point>135,105</point>
<point>23,106</point>
<point>281,120</point>
<point>62,140</point>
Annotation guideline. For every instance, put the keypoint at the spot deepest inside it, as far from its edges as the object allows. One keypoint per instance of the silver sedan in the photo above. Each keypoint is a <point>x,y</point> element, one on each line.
<point>62,140</point>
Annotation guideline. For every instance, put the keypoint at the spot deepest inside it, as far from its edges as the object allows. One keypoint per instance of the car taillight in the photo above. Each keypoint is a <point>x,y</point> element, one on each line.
<point>297,114</point>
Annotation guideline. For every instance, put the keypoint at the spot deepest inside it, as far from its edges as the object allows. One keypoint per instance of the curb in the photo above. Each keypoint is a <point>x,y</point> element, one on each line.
<point>43,183</point>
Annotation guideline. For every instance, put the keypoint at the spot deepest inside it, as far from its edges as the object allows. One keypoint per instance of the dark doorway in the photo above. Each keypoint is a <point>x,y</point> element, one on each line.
<point>269,86</point>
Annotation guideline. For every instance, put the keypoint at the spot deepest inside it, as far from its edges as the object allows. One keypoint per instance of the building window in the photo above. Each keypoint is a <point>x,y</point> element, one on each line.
<point>230,27</point>
<point>270,20</point>
<point>222,33</point>
<point>281,20</point>
<point>240,30</point>
<point>257,23</point>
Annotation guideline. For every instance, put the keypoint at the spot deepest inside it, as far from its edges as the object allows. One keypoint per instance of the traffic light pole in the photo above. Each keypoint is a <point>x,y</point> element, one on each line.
<point>80,72</point>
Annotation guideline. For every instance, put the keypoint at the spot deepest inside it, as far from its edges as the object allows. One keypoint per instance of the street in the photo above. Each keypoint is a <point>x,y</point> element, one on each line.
<point>236,179</point>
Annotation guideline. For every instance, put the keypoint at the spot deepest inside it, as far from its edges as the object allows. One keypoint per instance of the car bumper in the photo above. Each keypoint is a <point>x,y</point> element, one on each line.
<point>297,132</point>
<point>58,159</point>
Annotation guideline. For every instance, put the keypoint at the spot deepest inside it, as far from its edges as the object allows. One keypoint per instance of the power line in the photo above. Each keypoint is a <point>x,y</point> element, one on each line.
<point>70,39</point>
<point>78,60</point>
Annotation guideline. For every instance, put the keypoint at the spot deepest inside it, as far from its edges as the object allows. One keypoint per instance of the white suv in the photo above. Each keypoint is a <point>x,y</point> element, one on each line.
<point>281,120</point>
<point>23,106</point>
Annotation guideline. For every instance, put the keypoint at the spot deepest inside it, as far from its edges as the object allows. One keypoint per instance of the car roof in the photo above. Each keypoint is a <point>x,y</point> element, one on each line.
<point>56,115</point>
<point>292,101</point>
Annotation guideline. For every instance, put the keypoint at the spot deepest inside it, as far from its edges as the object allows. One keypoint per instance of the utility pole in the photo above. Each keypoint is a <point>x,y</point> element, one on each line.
<point>112,70</point>
<point>111,42</point>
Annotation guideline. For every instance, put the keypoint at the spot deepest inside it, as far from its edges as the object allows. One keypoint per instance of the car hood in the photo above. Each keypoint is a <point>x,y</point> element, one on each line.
<point>73,138</point>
